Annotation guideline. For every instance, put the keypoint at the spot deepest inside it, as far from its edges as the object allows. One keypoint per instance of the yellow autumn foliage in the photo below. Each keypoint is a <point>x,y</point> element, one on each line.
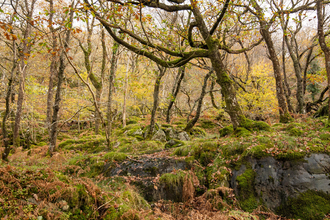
<point>260,95</point>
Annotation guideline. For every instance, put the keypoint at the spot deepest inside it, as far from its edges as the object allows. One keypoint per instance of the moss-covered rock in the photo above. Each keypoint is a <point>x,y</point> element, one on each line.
<point>164,126</point>
<point>245,128</point>
<point>90,144</point>
<point>115,156</point>
<point>183,151</point>
<point>257,151</point>
<point>198,132</point>
<point>133,120</point>
<point>241,132</point>
<point>308,205</point>
<point>261,126</point>
<point>174,143</point>
<point>226,131</point>
<point>207,124</point>
<point>247,198</point>
<point>295,132</point>
<point>286,118</point>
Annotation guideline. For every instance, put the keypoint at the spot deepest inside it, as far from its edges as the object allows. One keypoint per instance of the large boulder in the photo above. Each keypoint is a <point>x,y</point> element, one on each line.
<point>275,181</point>
<point>156,178</point>
<point>171,133</point>
<point>183,136</point>
<point>173,143</point>
<point>159,136</point>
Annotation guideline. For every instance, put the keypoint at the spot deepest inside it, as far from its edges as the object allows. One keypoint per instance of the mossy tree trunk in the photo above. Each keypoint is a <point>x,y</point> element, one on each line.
<point>96,82</point>
<point>125,90</point>
<point>192,122</point>
<point>175,91</point>
<point>228,90</point>
<point>159,77</point>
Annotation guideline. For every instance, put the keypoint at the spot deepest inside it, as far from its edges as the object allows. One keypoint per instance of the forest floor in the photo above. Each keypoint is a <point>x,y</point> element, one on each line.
<point>78,181</point>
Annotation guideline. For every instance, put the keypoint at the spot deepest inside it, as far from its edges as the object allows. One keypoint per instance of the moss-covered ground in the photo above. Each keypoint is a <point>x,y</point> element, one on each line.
<point>70,185</point>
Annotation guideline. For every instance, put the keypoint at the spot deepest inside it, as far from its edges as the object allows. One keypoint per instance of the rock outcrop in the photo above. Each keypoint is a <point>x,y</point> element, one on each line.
<point>147,174</point>
<point>275,181</point>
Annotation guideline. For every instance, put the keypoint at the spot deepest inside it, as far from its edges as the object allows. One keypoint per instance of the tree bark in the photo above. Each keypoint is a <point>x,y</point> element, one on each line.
<point>60,77</point>
<point>297,69</point>
<point>113,65</point>
<point>228,90</point>
<point>175,91</point>
<point>97,83</point>
<point>5,138</point>
<point>161,73</point>
<point>53,67</point>
<point>212,96</point>
<point>323,45</point>
<point>286,86</point>
<point>192,122</point>
<point>22,69</point>
<point>125,91</point>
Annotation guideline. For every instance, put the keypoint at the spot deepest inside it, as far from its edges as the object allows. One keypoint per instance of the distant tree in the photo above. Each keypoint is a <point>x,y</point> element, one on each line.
<point>60,77</point>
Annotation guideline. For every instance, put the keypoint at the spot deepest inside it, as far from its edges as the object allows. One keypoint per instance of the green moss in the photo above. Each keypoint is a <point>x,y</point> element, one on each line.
<point>245,123</point>
<point>143,147</point>
<point>325,136</point>
<point>66,143</point>
<point>261,126</point>
<point>257,151</point>
<point>233,149</point>
<point>115,156</point>
<point>247,199</point>
<point>42,144</point>
<point>245,128</point>
<point>133,120</point>
<point>295,132</point>
<point>190,159</point>
<point>90,144</point>
<point>130,129</point>
<point>207,124</point>
<point>226,131</point>
<point>173,179</point>
<point>290,155</point>
<point>164,126</point>
<point>218,177</point>
<point>242,132</point>
<point>183,151</point>
<point>308,205</point>
<point>197,131</point>
<point>285,118</point>
<point>205,152</point>
<point>174,143</point>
